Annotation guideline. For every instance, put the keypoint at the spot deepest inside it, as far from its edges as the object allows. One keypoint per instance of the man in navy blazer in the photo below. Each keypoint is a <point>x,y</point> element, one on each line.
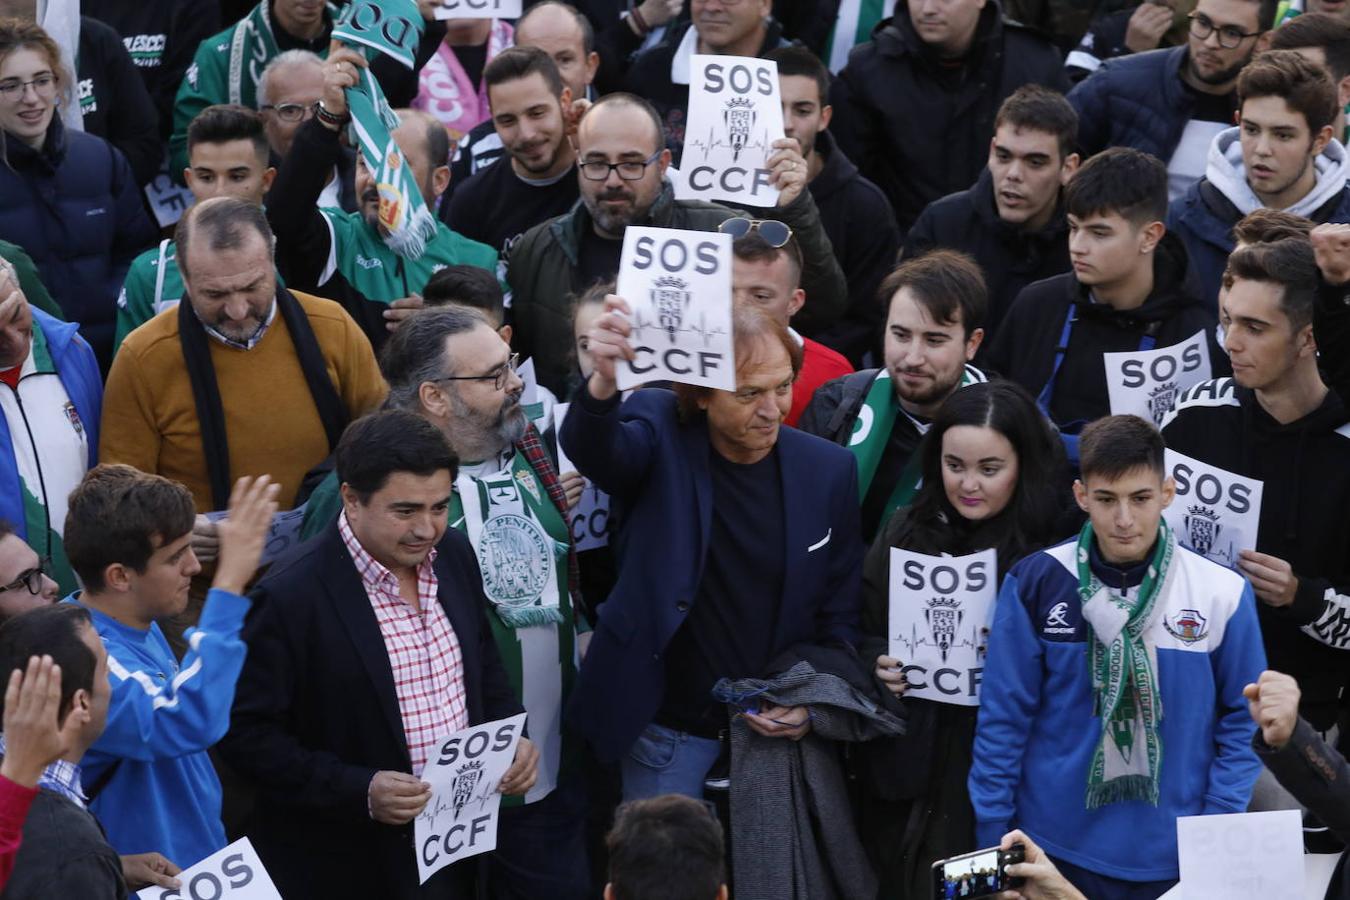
<point>352,672</point>
<point>739,539</point>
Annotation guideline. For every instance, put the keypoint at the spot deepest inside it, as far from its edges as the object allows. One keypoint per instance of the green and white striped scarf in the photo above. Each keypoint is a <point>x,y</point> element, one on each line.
<point>1124,667</point>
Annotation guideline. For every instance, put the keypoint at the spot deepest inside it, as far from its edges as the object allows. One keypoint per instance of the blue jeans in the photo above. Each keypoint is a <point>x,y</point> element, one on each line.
<point>666,761</point>
<point>1103,887</point>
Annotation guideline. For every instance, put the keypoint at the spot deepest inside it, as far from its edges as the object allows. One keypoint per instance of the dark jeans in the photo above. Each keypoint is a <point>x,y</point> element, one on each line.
<point>541,848</point>
<point>1102,887</point>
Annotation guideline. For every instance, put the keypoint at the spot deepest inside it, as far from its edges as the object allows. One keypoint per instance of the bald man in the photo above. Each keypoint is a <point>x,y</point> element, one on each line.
<point>343,256</point>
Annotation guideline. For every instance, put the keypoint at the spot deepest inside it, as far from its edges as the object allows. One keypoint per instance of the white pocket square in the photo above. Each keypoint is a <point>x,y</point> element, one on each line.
<point>820,543</point>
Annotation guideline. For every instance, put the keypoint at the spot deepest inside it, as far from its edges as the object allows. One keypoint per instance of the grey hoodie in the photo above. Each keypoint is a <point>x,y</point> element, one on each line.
<point>1227,172</point>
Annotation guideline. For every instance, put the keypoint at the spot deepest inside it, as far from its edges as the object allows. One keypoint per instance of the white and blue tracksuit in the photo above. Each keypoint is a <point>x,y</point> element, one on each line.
<point>1037,732</point>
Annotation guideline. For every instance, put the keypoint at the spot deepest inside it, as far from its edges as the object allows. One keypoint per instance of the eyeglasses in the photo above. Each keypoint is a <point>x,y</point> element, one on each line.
<point>32,579</point>
<point>292,112</point>
<point>775,233</point>
<point>497,376</point>
<point>628,171</point>
<point>43,85</point>
<point>1230,36</point>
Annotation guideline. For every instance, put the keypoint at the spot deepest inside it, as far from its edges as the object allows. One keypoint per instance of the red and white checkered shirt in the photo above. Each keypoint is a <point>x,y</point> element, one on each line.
<point>423,650</point>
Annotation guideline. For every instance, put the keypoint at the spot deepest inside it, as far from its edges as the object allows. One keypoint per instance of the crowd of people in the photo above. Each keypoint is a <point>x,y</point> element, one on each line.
<point>287,497</point>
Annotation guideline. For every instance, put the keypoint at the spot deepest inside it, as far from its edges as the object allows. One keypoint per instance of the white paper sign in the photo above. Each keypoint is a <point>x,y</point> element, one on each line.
<point>234,873</point>
<point>1147,382</point>
<point>282,534</point>
<point>734,118</point>
<point>939,606</point>
<point>589,519</point>
<point>460,819</point>
<point>168,200</point>
<point>478,9</point>
<point>678,284</point>
<point>1242,855</point>
<point>1216,513</point>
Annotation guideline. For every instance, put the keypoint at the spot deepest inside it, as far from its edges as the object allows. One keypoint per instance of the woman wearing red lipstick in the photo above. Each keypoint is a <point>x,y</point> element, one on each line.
<point>994,475</point>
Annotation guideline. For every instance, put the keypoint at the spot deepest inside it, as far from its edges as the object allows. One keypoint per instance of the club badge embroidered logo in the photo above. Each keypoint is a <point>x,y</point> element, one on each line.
<point>670,298</point>
<point>739,117</point>
<point>944,616</point>
<point>1202,527</point>
<point>1187,626</point>
<point>73,415</point>
<point>516,559</point>
<point>1161,400</point>
<point>528,480</point>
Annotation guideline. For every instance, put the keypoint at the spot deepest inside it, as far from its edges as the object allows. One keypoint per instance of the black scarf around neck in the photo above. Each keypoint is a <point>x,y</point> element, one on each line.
<point>194,340</point>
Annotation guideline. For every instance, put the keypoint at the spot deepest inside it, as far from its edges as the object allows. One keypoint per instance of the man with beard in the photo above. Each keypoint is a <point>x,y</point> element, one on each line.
<point>535,180</point>
<point>1280,156</point>
<point>622,170</point>
<point>343,256</point>
<point>1171,103</point>
<point>933,327</point>
<point>449,366</point>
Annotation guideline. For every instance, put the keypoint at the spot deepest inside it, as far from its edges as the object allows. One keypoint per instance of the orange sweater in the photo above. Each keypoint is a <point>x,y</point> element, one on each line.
<point>150,419</point>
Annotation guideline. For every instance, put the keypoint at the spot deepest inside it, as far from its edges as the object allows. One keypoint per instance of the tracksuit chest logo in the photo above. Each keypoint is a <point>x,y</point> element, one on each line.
<point>1057,621</point>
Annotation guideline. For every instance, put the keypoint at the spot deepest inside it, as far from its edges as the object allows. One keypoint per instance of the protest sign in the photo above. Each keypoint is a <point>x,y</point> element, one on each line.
<point>478,9</point>
<point>1242,855</point>
<point>282,534</point>
<point>678,285</point>
<point>589,519</point>
<point>1147,382</point>
<point>1216,513</point>
<point>734,117</point>
<point>460,819</point>
<point>234,873</point>
<point>168,200</point>
<point>939,605</point>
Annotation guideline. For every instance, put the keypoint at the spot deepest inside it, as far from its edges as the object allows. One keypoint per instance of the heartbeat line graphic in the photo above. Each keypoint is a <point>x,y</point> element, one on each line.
<point>760,142</point>
<point>700,329</point>
<point>922,638</point>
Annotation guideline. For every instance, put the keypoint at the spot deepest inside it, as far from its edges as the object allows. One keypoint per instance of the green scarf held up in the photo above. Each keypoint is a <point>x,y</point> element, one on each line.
<point>1128,757</point>
<point>391,28</point>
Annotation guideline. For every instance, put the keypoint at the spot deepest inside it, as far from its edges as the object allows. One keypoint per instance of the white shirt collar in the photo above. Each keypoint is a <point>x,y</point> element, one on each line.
<point>679,66</point>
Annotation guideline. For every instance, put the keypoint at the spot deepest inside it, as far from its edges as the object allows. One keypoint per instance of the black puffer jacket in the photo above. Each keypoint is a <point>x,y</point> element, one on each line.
<point>1134,101</point>
<point>919,128</point>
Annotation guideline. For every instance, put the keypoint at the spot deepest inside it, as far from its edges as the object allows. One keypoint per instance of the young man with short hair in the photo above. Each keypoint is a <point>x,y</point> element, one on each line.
<point>1012,220</point>
<point>1323,40</point>
<point>1112,700</point>
<point>129,536</point>
<point>934,327</point>
<point>1128,291</point>
<point>227,157</point>
<point>661,842</point>
<point>24,585</point>
<point>1281,155</point>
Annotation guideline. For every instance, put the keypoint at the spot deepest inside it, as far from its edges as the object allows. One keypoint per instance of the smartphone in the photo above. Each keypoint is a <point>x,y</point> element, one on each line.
<point>978,874</point>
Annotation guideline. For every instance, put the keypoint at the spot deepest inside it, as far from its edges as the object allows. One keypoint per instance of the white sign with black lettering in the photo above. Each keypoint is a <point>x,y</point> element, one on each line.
<point>734,118</point>
<point>460,819</point>
<point>678,285</point>
<point>1216,513</point>
<point>589,519</point>
<point>940,606</point>
<point>478,9</point>
<point>1256,854</point>
<point>1147,382</point>
<point>234,873</point>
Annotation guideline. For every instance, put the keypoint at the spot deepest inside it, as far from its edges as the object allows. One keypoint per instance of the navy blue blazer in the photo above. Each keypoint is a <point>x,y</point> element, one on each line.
<point>656,470</point>
<point>316,715</point>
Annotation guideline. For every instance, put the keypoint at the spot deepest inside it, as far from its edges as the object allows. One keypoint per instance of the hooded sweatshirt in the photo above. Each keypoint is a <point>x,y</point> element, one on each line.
<point>1305,469</point>
<point>1204,217</point>
<point>1024,348</point>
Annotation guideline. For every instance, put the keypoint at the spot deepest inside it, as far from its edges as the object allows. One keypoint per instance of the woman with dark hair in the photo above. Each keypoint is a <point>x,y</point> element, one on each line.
<point>993,476</point>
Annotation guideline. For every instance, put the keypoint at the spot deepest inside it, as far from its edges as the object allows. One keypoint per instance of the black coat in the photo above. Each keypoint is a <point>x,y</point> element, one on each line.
<point>1010,258</point>
<point>861,228</point>
<point>1024,348</point>
<point>922,131</point>
<point>114,100</point>
<point>316,716</point>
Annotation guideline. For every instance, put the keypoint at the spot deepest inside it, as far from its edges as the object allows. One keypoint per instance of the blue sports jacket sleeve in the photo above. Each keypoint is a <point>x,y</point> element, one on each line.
<point>1237,662</point>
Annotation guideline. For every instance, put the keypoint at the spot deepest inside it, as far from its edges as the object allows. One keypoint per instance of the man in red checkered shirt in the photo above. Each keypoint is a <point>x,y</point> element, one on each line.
<point>366,646</point>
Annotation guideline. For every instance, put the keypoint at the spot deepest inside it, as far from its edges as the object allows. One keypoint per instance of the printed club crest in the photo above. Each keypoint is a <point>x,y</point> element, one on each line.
<point>1187,626</point>
<point>1202,528</point>
<point>516,560</point>
<point>1161,400</point>
<point>464,786</point>
<point>670,298</point>
<point>739,117</point>
<point>944,616</point>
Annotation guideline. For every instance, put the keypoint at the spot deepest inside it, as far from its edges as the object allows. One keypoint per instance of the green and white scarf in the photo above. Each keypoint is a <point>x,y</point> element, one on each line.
<point>392,28</point>
<point>1124,667</point>
<point>513,526</point>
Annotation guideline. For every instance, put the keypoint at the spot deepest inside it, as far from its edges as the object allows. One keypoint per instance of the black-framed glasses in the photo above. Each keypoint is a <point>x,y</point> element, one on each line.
<point>292,112</point>
<point>1230,36</point>
<point>44,86</point>
<point>628,171</point>
<point>498,376</point>
<point>775,233</point>
<point>31,579</point>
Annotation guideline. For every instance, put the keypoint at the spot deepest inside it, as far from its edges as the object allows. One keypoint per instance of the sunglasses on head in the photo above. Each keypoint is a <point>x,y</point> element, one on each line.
<point>775,233</point>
